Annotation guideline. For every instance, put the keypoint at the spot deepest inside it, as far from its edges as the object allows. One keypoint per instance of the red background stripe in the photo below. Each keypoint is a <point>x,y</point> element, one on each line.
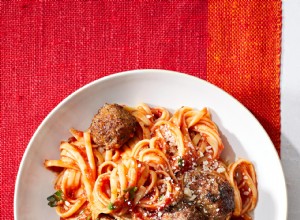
<point>244,56</point>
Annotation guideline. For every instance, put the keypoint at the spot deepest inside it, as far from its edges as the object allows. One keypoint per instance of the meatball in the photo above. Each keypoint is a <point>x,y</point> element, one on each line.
<point>182,211</point>
<point>207,196</point>
<point>210,193</point>
<point>112,126</point>
<point>105,217</point>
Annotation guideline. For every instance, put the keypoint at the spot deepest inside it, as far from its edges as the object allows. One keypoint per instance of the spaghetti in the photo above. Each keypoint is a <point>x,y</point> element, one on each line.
<point>145,176</point>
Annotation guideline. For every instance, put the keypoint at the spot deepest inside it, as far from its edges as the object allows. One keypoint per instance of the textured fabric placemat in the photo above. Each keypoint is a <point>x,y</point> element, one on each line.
<point>51,48</point>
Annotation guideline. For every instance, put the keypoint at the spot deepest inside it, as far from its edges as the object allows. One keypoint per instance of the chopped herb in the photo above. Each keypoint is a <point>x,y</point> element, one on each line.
<point>161,197</point>
<point>180,162</point>
<point>111,206</point>
<point>55,198</point>
<point>131,191</point>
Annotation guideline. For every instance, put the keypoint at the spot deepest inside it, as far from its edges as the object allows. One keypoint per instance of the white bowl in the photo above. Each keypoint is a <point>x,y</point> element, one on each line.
<point>242,134</point>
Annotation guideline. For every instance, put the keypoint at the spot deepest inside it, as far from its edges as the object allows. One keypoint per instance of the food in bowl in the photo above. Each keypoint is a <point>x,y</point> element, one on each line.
<point>145,163</point>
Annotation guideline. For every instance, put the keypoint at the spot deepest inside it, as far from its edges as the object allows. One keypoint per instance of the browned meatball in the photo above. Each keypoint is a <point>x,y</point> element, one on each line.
<point>207,196</point>
<point>210,193</point>
<point>112,126</point>
<point>182,211</point>
<point>105,217</point>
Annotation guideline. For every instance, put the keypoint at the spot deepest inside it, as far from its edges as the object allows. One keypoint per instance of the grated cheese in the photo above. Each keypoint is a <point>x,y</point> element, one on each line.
<point>168,178</point>
<point>168,135</point>
<point>246,193</point>
<point>221,170</point>
<point>188,192</point>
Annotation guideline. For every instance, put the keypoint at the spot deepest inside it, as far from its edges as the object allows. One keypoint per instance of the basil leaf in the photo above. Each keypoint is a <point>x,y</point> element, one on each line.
<point>111,206</point>
<point>56,197</point>
<point>131,191</point>
<point>180,162</point>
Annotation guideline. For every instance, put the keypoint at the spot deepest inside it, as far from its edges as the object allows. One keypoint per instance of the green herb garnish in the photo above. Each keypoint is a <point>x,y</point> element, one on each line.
<point>55,198</point>
<point>180,162</point>
<point>131,191</point>
<point>111,206</point>
<point>161,197</point>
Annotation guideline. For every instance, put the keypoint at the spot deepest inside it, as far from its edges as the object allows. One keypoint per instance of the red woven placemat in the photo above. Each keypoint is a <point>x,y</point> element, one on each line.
<point>50,49</point>
<point>243,56</point>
